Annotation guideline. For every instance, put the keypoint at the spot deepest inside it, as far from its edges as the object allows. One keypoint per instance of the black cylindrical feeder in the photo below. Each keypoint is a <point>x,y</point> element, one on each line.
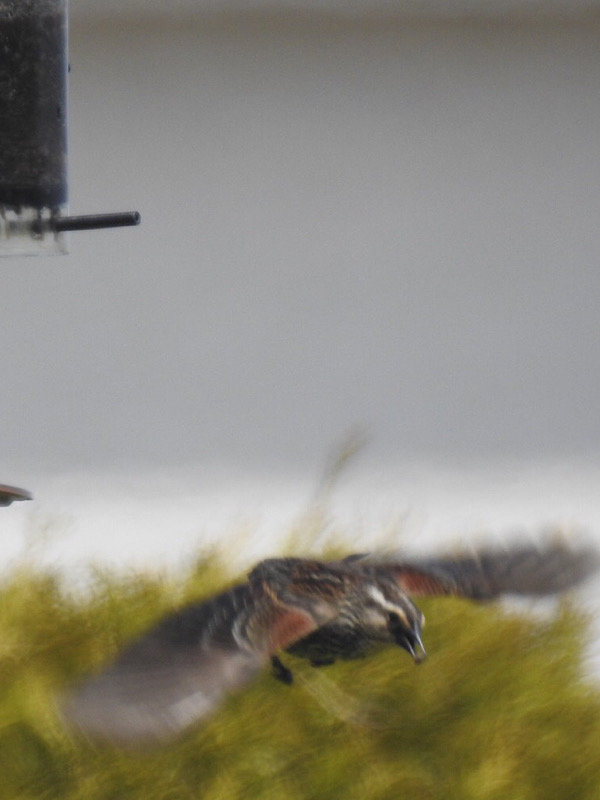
<point>33,122</point>
<point>33,131</point>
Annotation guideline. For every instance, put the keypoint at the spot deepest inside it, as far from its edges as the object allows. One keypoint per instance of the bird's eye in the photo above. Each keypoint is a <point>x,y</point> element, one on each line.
<point>394,619</point>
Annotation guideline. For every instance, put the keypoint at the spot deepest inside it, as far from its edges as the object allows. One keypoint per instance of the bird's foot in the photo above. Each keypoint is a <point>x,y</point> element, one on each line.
<point>281,672</point>
<point>322,662</point>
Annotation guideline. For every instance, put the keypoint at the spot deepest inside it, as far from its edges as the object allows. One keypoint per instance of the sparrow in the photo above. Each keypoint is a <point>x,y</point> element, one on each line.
<point>8,494</point>
<point>179,671</point>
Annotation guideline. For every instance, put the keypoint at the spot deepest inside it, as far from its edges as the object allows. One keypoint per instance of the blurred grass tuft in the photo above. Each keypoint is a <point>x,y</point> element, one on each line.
<point>499,710</point>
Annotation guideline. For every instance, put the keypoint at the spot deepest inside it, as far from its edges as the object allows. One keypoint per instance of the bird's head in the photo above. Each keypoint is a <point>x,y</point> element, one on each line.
<point>389,615</point>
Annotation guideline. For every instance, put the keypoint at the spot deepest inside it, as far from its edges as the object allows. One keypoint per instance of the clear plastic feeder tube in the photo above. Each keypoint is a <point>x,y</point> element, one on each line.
<point>33,125</point>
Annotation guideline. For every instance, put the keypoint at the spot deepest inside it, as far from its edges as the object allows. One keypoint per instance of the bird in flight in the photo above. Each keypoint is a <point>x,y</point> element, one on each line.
<point>178,672</point>
<point>9,494</point>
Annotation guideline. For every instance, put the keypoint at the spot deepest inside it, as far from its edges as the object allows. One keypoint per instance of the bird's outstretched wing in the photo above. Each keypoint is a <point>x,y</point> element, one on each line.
<point>180,670</point>
<point>486,574</point>
<point>9,494</point>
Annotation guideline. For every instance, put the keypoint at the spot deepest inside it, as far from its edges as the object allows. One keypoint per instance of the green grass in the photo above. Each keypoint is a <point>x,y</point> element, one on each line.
<point>498,711</point>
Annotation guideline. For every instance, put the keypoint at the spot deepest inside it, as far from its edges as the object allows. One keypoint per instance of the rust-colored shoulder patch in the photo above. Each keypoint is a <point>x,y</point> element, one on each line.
<point>289,625</point>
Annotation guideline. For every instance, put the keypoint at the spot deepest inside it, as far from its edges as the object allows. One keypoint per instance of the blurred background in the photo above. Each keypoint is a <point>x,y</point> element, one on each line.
<point>362,222</point>
<point>373,216</point>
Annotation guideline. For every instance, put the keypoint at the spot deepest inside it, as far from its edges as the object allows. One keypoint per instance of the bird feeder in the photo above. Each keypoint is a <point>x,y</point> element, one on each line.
<point>33,132</point>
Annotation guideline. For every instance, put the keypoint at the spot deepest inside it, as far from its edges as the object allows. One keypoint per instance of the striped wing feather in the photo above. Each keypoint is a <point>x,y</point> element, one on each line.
<point>180,670</point>
<point>484,575</point>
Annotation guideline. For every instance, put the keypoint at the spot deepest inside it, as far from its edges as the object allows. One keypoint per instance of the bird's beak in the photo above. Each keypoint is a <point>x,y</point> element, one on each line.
<point>411,642</point>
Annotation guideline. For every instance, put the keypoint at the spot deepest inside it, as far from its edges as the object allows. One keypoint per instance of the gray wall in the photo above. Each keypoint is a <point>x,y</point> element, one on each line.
<point>388,224</point>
